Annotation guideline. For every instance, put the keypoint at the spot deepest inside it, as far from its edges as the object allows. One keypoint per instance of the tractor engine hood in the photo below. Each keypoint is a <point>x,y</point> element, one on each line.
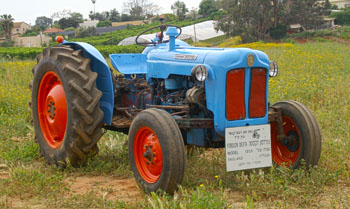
<point>161,62</point>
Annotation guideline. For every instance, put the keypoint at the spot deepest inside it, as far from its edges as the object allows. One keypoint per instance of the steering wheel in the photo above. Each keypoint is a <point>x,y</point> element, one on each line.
<point>162,29</point>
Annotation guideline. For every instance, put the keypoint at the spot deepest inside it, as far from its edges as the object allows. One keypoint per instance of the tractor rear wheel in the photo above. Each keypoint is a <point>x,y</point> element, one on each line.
<point>156,151</point>
<point>301,127</point>
<point>65,106</point>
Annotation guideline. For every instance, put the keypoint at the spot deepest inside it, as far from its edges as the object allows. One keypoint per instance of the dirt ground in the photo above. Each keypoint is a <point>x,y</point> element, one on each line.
<point>110,188</point>
<point>3,171</point>
<point>4,175</point>
<point>116,188</point>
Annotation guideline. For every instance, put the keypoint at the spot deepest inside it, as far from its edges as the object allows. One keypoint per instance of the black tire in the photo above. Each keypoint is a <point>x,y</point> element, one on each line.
<point>172,147</point>
<point>304,127</point>
<point>84,127</point>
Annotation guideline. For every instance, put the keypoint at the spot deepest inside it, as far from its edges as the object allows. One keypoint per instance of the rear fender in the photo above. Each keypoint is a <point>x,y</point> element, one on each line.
<point>104,79</point>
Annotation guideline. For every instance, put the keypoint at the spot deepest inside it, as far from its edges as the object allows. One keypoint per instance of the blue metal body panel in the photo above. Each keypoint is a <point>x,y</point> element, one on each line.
<point>104,79</point>
<point>223,62</point>
<point>129,63</point>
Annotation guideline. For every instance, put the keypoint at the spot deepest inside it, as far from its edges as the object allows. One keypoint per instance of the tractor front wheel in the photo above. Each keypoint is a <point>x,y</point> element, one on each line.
<point>303,137</point>
<point>65,106</point>
<point>156,151</point>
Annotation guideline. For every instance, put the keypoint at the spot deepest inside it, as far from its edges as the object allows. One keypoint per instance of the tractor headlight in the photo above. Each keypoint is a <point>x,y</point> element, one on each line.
<point>199,72</point>
<point>273,69</point>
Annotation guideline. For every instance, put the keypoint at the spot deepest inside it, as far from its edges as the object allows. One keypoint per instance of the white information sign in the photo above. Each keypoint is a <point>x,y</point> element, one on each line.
<point>248,147</point>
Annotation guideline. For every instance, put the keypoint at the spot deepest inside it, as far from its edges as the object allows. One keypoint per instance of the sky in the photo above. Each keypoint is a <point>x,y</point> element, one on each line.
<point>28,10</point>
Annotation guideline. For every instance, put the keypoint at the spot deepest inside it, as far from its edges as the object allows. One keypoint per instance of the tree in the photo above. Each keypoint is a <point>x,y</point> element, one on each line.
<point>193,14</point>
<point>208,8</point>
<point>126,17</point>
<point>276,7</point>
<point>136,11</point>
<point>308,13</point>
<point>72,21</point>
<point>179,9</point>
<point>6,23</point>
<point>254,19</point>
<point>96,16</point>
<point>94,2</point>
<point>250,19</point>
<point>112,16</point>
<point>61,14</point>
<point>67,22</point>
<point>77,16</point>
<point>43,21</point>
<point>140,8</point>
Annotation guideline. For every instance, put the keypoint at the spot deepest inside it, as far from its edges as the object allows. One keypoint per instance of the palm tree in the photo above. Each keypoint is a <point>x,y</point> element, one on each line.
<point>94,1</point>
<point>6,23</point>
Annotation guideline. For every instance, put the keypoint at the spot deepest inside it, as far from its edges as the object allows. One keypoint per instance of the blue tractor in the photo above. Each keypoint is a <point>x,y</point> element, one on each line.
<point>169,96</point>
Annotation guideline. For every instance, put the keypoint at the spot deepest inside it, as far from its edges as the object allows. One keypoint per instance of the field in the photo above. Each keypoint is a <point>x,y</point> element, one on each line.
<point>315,73</point>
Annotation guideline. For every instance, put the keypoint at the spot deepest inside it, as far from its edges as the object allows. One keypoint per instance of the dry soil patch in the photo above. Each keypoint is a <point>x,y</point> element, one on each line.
<point>109,187</point>
<point>4,175</point>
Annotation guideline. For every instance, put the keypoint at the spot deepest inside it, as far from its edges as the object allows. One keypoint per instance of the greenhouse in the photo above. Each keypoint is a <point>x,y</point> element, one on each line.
<point>197,32</point>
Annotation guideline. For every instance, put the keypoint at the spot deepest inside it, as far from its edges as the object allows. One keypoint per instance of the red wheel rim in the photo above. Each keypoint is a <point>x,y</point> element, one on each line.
<point>52,109</point>
<point>148,155</point>
<point>283,154</point>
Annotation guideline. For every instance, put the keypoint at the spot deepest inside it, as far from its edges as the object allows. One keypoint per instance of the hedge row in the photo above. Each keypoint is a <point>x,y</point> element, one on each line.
<point>106,50</point>
<point>19,52</point>
<point>31,53</point>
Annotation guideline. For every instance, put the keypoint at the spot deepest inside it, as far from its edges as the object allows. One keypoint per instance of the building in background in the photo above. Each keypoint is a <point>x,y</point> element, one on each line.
<point>19,28</point>
<point>40,40</point>
<point>341,3</point>
<point>53,30</point>
<point>89,23</point>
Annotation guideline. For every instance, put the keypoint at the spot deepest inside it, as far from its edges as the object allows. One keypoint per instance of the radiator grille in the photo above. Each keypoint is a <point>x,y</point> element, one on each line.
<point>235,104</point>
<point>257,97</point>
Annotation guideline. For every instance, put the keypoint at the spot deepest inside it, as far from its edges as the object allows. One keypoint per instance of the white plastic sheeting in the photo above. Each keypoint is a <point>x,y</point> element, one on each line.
<point>197,32</point>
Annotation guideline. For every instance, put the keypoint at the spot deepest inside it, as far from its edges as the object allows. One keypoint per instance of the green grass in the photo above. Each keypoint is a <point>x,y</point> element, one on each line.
<point>316,74</point>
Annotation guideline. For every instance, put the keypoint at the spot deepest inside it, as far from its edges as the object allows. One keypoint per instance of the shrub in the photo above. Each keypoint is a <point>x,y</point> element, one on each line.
<point>231,42</point>
<point>69,29</point>
<point>30,34</point>
<point>343,17</point>
<point>279,32</point>
<point>19,52</point>
<point>105,23</point>
<point>85,32</point>
<point>6,44</point>
<point>320,39</point>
